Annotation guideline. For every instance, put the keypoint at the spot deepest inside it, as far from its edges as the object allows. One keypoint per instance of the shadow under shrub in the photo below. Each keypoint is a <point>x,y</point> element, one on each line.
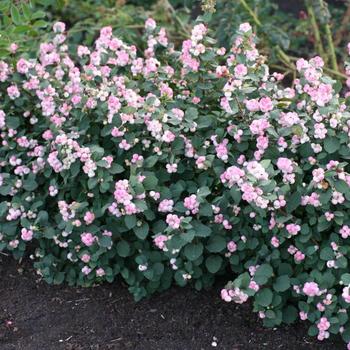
<point>177,166</point>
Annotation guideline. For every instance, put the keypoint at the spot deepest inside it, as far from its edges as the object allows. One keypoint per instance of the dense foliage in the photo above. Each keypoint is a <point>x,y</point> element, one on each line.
<point>169,166</point>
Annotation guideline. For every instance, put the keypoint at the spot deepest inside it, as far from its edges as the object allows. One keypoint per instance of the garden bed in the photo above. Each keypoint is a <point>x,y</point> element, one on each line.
<point>59,317</point>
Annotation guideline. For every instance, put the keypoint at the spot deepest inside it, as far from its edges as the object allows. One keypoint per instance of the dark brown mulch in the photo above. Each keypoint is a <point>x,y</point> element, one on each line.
<point>36,316</point>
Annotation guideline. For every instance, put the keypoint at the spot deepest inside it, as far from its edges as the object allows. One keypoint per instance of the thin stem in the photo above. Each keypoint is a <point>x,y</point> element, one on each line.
<point>177,18</point>
<point>284,57</point>
<point>334,72</point>
<point>330,43</point>
<point>316,30</point>
<point>331,48</point>
<point>251,12</point>
<point>288,60</point>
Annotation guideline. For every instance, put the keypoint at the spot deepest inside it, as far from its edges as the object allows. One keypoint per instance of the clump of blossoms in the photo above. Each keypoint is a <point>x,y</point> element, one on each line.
<point>169,166</point>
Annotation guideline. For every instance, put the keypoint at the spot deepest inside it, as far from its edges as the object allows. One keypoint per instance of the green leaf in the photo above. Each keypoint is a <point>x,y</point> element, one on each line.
<point>206,210</point>
<point>179,278</point>
<point>3,208</point>
<point>342,186</point>
<point>282,283</point>
<point>263,273</point>
<point>327,254</point>
<point>105,241</point>
<point>264,297</point>
<point>331,144</point>
<point>345,278</point>
<point>40,24</point>
<point>59,278</point>
<point>193,251</point>
<point>242,281</point>
<point>49,232</point>
<point>116,169</point>
<point>130,221</point>
<point>26,11</point>
<point>216,244</point>
<point>236,195</point>
<point>213,263</point>
<point>203,192</point>
<point>191,113</point>
<point>16,17</point>
<point>43,217</point>
<point>201,229</point>
<point>290,314</point>
<point>150,161</point>
<point>150,182</point>
<point>30,184</point>
<point>13,122</point>
<point>123,249</point>
<point>142,231</point>
<point>5,190</point>
<point>91,183</point>
<point>293,202</point>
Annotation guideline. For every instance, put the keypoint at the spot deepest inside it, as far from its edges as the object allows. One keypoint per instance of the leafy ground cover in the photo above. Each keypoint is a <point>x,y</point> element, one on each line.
<point>116,131</point>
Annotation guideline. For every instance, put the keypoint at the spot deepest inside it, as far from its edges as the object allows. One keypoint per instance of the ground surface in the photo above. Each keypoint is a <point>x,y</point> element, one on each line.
<point>35,316</point>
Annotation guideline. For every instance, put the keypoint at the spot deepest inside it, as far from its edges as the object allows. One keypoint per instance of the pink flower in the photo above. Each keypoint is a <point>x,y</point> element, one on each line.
<point>100,272</point>
<point>86,270</point>
<point>89,217</point>
<point>59,27</point>
<point>171,168</point>
<point>241,70</point>
<point>293,229</point>
<point>85,258</point>
<point>275,241</point>
<point>13,92</point>
<point>311,289</point>
<point>106,32</point>
<point>265,104</point>
<point>301,64</point>
<point>345,231</point>
<point>285,165</point>
<point>160,240</point>
<point>150,24</point>
<point>323,324</point>
<point>13,48</point>
<point>303,315</point>
<point>318,175</point>
<point>252,105</point>
<point>232,175</point>
<point>191,203</point>
<point>166,205</point>
<point>258,126</point>
<point>231,246</point>
<point>22,66</point>
<point>173,221</point>
<point>299,256</point>
<point>113,104</point>
<point>245,27</point>
<point>26,235</point>
<point>346,294</point>
<point>87,238</point>
<point>253,285</point>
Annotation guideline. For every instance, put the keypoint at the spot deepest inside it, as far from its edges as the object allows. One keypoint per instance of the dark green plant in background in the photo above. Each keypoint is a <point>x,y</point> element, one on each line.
<point>311,24</point>
<point>315,29</point>
<point>21,22</point>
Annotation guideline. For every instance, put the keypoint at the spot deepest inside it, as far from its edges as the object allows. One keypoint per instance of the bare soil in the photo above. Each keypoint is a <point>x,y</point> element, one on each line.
<point>36,316</point>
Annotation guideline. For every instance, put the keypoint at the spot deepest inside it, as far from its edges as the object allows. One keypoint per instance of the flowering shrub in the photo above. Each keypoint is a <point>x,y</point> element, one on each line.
<point>168,166</point>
